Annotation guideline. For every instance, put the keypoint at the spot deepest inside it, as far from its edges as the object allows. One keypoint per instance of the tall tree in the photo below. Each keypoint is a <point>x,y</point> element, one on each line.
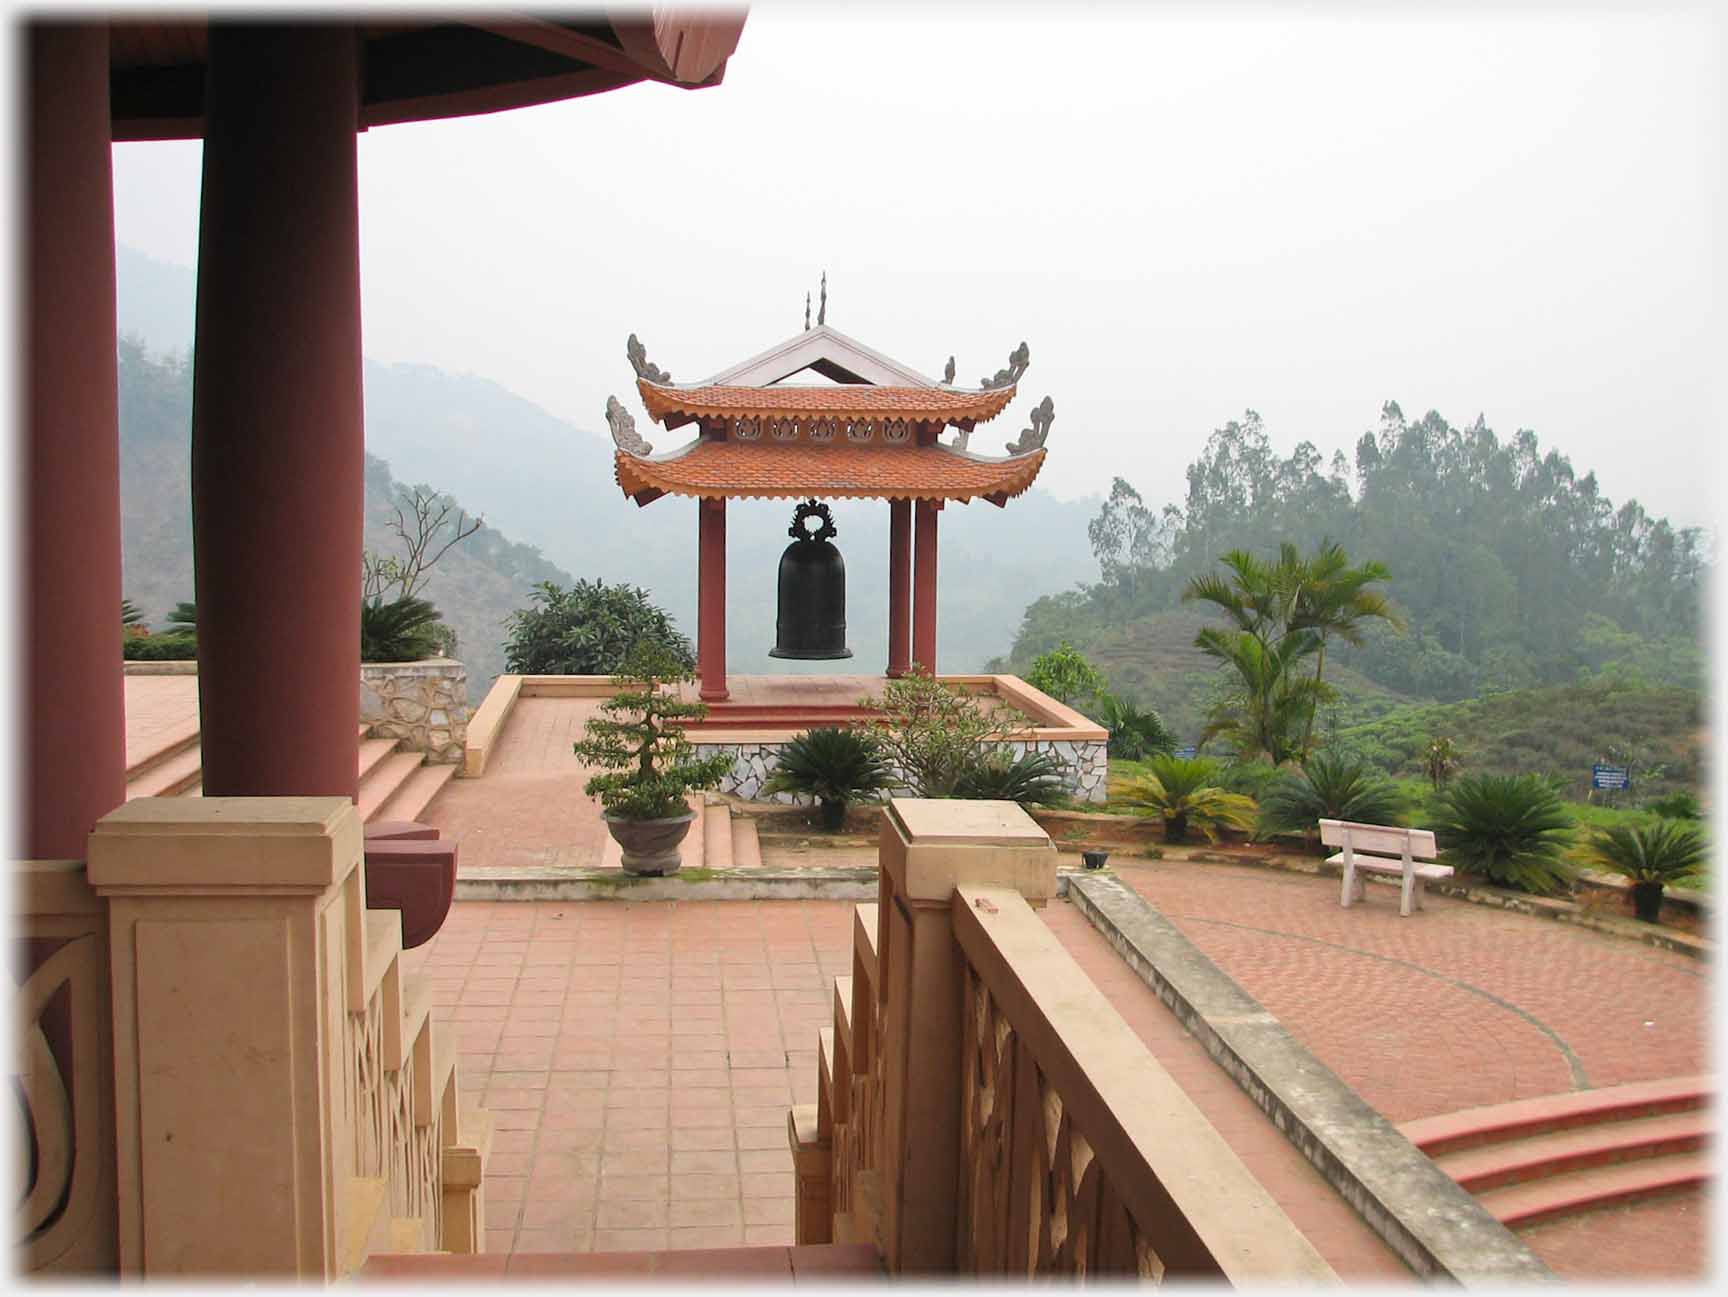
<point>1333,599</point>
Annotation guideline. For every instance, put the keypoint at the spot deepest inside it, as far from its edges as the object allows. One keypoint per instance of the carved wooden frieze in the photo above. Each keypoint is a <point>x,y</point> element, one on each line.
<point>1032,438</point>
<point>638,357</point>
<point>1018,359</point>
<point>623,425</point>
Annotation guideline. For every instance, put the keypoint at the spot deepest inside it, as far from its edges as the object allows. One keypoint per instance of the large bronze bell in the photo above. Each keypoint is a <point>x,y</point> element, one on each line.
<point>812,618</point>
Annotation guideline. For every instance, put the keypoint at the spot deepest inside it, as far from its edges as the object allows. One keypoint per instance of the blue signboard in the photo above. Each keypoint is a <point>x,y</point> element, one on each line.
<point>1188,751</point>
<point>1610,777</point>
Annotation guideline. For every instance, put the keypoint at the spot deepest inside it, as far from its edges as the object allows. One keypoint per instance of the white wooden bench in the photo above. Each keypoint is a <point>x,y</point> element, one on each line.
<point>1381,849</point>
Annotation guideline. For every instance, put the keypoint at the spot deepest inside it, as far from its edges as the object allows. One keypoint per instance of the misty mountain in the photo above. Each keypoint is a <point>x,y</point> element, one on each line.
<point>549,485</point>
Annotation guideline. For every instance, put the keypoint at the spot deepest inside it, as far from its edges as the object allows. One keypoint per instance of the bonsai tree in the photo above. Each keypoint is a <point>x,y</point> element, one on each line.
<point>639,740</point>
<point>834,766</point>
<point>1509,829</point>
<point>1329,786</point>
<point>1649,856</point>
<point>1184,792</point>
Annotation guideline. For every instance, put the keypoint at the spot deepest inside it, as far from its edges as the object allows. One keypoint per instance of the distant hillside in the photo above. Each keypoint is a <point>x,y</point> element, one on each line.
<point>1560,731</point>
<point>550,485</point>
<point>477,584</point>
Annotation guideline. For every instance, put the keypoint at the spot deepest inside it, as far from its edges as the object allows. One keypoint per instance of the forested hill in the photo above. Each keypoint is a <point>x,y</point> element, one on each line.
<point>476,585</point>
<point>1511,569</point>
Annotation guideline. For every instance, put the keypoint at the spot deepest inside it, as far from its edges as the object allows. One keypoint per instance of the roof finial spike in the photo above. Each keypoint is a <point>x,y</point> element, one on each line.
<point>806,312</point>
<point>822,314</point>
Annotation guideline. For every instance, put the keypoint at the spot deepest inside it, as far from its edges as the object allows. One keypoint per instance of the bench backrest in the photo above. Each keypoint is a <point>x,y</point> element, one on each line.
<point>1381,839</point>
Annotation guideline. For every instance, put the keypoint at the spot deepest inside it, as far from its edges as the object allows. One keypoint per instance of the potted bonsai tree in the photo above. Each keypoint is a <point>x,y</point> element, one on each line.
<point>834,766</point>
<point>1649,857</point>
<point>648,764</point>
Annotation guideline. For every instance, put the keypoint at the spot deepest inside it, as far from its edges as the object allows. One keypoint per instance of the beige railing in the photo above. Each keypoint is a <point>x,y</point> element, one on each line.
<point>63,1065</point>
<point>985,1110</point>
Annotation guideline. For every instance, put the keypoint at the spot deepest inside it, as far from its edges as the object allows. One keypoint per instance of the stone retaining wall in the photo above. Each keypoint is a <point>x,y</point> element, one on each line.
<point>422,705</point>
<point>1087,764</point>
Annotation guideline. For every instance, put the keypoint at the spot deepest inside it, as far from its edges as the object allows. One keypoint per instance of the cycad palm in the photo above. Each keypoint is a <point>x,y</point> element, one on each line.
<point>1665,851</point>
<point>1184,793</point>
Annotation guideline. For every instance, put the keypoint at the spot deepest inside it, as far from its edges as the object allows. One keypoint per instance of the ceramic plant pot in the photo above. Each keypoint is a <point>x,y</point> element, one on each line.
<point>650,847</point>
<point>1647,901</point>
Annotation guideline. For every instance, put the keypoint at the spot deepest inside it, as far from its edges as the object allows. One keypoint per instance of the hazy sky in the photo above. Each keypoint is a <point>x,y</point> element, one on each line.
<point>1185,213</point>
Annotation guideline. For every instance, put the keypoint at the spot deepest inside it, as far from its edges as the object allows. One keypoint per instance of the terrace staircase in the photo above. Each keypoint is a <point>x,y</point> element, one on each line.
<point>394,785</point>
<point>1536,1160</point>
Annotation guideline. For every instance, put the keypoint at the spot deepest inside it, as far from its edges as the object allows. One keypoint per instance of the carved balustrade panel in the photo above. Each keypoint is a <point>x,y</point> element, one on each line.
<point>62,1075</point>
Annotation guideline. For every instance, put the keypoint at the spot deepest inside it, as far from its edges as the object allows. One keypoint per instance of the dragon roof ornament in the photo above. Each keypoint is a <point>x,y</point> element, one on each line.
<point>1018,359</point>
<point>638,356</point>
<point>623,425</point>
<point>1032,438</point>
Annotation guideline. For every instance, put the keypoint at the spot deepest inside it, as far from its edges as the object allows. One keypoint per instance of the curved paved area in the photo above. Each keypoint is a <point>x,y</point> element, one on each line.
<point>1457,1006</point>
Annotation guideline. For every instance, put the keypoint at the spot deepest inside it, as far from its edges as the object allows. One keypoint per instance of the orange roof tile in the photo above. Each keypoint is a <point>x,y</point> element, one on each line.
<point>717,470</point>
<point>852,400</point>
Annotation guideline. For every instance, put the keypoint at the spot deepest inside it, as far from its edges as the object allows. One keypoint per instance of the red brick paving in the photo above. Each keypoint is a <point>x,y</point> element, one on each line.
<point>639,1059</point>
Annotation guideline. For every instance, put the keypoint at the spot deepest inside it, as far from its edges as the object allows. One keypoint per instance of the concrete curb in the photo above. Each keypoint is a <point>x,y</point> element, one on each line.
<point>1437,1228</point>
<point>550,883</point>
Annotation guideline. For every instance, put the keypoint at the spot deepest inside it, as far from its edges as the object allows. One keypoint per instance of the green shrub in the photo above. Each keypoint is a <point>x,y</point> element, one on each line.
<point>159,648</point>
<point>1184,793</point>
<point>1510,829</point>
<point>652,765</point>
<point>1064,674</point>
<point>834,766</point>
<point>1033,779</point>
<point>1135,733</point>
<point>1664,851</point>
<point>931,732</point>
<point>1329,786</point>
<point>404,630</point>
<point>589,629</point>
<point>1679,805</point>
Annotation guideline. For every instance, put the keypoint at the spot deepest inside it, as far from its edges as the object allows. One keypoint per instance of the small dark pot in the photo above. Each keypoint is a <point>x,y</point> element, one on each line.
<point>650,847</point>
<point>1094,859</point>
<point>833,815</point>
<point>1647,901</point>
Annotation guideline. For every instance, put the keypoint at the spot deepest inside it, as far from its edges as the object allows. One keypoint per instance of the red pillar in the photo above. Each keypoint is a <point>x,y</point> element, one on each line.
<point>711,598</point>
<point>278,448</point>
<point>924,586</point>
<point>74,759</point>
<point>899,587</point>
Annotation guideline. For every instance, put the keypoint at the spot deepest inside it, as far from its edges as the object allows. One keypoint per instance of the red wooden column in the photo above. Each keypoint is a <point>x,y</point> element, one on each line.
<point>924,586</point>
<point>74,759</point>
<point>277,441</point>
<point>899,587</point>
<point>711,599</point>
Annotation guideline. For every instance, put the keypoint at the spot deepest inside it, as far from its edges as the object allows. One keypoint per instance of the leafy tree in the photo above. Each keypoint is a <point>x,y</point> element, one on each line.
<point>1329,786</point>
<point>588,629</point>
<point>1441,756</point>
<point>638,738</point>
<point>933,733</point>
<point>1065,675</point>
<point>1510,829</point>
<point>1185,794</point>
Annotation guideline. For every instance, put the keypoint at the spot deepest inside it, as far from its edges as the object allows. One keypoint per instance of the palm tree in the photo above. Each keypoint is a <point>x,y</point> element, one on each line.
<point>1184,792</point>
<point>1332,598</point>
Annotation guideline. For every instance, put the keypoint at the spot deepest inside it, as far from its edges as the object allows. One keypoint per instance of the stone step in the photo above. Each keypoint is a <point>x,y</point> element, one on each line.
<point>1489,1166</point>
<point>716,835</point>
<point>415,793</point>
<point>818,1263</point>
<point>386,777</point>
<point>171,776</point>
<point>746,843</point>
<point>1597,1186</point>
<point>170,745</point>
<point>1524,1117</point>
<point>372,751</point>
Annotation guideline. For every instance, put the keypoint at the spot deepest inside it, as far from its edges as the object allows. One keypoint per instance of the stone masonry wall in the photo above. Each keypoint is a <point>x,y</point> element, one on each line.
<point>1087,764</point>
<point>422,705</point>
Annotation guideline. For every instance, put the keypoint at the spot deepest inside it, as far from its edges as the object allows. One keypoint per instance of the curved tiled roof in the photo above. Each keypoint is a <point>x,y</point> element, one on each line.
<point>852,400</point>
<point>718,470</point>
